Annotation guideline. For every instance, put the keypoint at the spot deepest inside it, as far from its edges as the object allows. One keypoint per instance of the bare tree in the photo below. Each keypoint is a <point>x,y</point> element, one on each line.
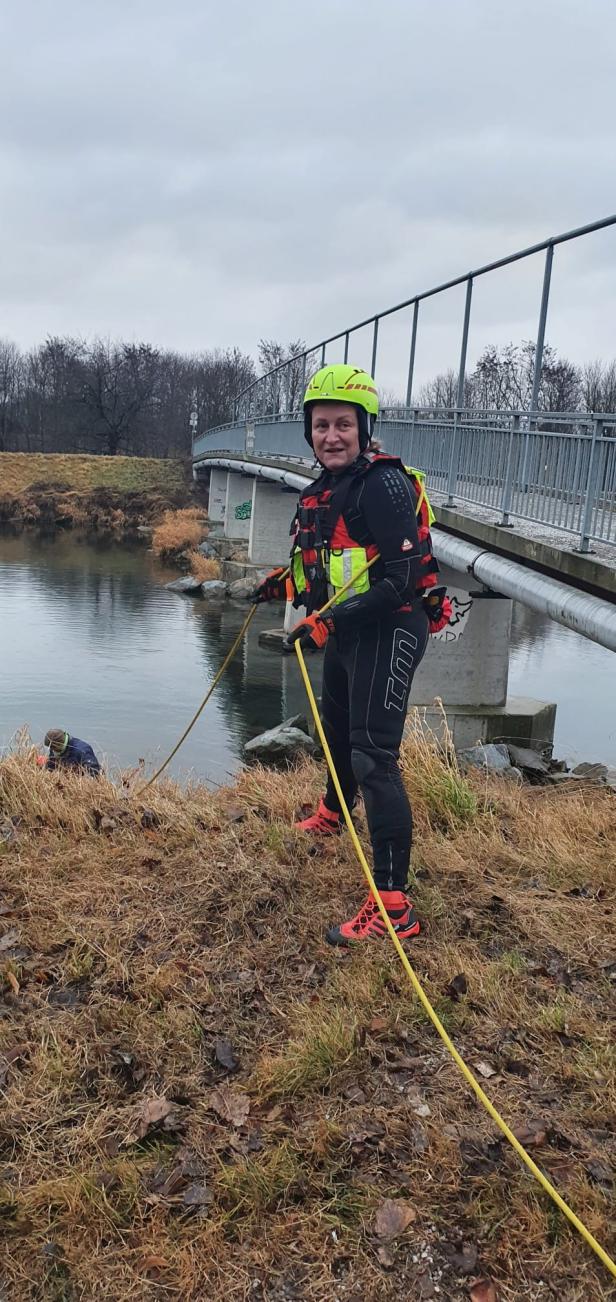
<point>117,386</point>
<point>440,392</point>
<point>11,374</point>
<point>598,386</point>
<point>282,391</point>
<point>218,378</point>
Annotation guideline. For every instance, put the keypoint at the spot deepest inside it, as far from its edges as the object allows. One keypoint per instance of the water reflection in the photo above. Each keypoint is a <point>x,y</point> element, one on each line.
<point>90,640</point>
<point>553,663</point>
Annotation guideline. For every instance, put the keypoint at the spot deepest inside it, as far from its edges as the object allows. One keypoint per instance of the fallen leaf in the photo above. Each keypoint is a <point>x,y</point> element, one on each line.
<point>154,1263</point>
<point>425,1284</point>
<point>64,997</point>
<point>393,1217</point>
<point>230,1105</point>
<point>483,1290</point>
<point>601,1173</point>
<point>13,982</point>
<point>234,813</point>
<point>107,824</point>
<point>9,1057</point>
<point>377,1025</point>
<point>168,1182</point>
<point>153,1112</point>
<point>534,1133</point>
<point>223,1050</point>
<point>354,1094</point>
<point>462,1257</point>
<point>406,1062</point>
<point>480,1158</point>
<point>197,1195</point>
<point>370,1130</point>
<point>9,939</point>
<point>457,986</point>
<point>385,1256</point>
<point>485,1069</point>
<point>274,1113</point>
<point>517,1068</point>
<point>53,1251</point>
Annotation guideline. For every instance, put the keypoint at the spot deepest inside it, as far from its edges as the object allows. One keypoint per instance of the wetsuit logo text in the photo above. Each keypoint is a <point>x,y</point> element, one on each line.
<point>402,661</point>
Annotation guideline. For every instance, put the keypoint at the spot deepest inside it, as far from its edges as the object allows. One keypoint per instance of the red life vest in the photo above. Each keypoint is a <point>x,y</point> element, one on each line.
<point>321,536</point>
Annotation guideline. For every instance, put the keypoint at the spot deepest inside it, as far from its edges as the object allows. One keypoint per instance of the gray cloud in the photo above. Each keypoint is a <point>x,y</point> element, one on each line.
<point>199,174</point>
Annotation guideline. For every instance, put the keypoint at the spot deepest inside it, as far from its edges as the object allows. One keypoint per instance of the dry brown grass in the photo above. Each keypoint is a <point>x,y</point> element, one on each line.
<point>19,471</point>
<point>179,531</point>
<point>203,567</point>
<point>142,942</point>
<point>95,495</point>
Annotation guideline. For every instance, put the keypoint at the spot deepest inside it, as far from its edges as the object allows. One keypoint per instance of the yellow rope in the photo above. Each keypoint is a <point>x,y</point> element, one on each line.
<point>422,996</point>
<point>229,656</point>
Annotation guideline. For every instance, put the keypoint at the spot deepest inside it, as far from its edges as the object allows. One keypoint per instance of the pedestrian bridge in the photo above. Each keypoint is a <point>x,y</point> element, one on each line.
<point>532,484</point>
<point>525,500</point>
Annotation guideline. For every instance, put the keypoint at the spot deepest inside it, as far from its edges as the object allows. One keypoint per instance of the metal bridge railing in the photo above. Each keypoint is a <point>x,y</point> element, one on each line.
<point>281,388</point>
<point>558,470</point>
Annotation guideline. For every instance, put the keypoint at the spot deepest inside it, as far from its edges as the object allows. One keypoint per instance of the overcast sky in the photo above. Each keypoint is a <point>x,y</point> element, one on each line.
<point>199,174</point>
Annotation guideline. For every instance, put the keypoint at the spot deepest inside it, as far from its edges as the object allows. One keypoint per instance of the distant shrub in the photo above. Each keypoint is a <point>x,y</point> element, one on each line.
<point>179,531</point>
<point>203,568</point>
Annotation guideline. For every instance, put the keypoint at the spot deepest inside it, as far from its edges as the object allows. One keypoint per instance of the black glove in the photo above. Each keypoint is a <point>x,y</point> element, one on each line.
<point>273,587</point>
<point>438,608</point>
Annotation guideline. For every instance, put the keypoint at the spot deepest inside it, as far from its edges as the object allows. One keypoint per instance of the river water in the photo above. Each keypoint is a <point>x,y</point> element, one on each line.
<point>91,641</point>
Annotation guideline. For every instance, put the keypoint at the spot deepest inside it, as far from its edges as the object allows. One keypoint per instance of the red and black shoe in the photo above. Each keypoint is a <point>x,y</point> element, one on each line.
<point>368,923</point>
<point>322,823</point>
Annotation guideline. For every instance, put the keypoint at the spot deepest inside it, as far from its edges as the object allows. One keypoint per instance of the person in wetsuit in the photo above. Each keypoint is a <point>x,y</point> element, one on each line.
<point>364,505</point>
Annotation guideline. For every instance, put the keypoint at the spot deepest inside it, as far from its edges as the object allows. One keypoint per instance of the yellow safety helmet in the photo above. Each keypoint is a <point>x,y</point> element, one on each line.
<point>342,383</point>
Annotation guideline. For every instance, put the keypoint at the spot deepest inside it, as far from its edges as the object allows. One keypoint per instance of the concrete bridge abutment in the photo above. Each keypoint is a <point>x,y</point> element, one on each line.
<point>238,506</point>
<point>217,495</point>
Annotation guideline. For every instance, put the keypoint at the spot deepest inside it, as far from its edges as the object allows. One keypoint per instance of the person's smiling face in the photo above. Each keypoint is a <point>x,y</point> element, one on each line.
<point>335,434</point>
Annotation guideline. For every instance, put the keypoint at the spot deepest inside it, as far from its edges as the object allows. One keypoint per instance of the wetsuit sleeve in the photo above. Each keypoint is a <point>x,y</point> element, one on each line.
<point>387,503</point>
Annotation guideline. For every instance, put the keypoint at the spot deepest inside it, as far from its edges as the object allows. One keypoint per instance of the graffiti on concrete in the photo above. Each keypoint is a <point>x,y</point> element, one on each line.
<point>242,512</point>
<point>461,608</point>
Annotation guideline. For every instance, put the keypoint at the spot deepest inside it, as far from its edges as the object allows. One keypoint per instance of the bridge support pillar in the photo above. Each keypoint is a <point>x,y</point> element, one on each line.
<point>272,512</point>
<point>238,506</point>
<point>218,495</point>
<point>467,667</point>
<point>468,664</point>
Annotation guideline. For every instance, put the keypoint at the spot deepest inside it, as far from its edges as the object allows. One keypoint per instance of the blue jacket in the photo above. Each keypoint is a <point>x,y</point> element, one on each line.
<point>78,755</point>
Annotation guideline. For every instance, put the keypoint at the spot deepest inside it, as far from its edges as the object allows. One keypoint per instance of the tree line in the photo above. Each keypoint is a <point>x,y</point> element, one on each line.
<point>502,380</point>
<point>69,395</point>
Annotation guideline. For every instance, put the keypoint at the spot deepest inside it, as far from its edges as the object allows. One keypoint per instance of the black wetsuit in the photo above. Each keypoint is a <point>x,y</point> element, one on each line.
<point>380,638</point>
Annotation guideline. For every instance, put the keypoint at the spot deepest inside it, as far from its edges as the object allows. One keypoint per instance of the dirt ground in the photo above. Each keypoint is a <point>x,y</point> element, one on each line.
<point>202,1100</point>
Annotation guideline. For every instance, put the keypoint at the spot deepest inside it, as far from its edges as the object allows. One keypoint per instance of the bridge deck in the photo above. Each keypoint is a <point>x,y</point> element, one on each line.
<point>535,544</point>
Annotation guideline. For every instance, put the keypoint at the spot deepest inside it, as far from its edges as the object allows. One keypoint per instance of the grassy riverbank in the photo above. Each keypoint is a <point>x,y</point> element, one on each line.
<point>99,494</point>
<point>202,1100</point>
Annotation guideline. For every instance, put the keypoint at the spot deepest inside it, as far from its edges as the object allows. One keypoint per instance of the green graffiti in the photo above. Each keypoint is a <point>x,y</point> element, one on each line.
<point>243,511</point>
